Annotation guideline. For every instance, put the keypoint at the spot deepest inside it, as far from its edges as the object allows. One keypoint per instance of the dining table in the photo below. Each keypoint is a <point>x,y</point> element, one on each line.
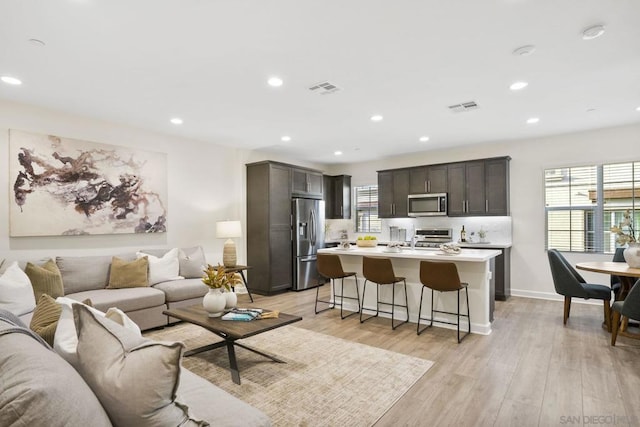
<point>628,275</point>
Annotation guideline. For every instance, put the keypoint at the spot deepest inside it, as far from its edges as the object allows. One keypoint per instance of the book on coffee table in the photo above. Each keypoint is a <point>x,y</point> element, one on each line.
<point>243,314</point>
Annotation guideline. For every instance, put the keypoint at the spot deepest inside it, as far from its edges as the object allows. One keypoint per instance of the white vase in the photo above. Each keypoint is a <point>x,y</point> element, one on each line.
<point>231,298</point>
<point>214,302</point>
<point>632,255</point>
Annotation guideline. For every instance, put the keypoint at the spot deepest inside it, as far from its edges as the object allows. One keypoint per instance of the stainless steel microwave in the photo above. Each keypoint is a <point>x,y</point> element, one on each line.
<point>427,204</point>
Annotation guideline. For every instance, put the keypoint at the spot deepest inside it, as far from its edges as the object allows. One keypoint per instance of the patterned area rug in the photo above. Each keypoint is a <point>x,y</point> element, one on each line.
<point>326,381</point>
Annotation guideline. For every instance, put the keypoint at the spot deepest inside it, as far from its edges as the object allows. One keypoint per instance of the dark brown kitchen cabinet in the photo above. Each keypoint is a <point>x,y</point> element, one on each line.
<point>393,189</point>
<point>269,227</point>
<point>428,179</point>
<point>337,196</point>
<point>478,187</point>
<point>306,183</point>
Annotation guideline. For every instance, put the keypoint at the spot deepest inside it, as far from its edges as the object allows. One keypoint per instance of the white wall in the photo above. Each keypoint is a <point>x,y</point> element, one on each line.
<point>205,184</point>
<point>530,275</point>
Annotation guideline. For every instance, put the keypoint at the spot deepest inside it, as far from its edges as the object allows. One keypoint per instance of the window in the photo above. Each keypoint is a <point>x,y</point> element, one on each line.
<point>583,203</point>
<point>366,203</point>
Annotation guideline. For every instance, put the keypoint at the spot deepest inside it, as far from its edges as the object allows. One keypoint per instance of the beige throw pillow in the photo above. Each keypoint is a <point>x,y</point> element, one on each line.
<point>45,318</point>
<point>45,279</point>
<point>134,378</point>
<point>125,274</point>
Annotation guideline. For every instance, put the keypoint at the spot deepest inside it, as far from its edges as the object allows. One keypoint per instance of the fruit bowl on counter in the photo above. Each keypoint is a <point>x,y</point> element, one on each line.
<point>367,242</point>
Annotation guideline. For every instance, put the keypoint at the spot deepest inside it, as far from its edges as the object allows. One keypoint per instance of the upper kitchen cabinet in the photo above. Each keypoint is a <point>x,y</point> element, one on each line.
<point>478,187</point>
<point>337,196</point>
<point>428,179</point>
<point>306,183</point>
<point>393,189</point>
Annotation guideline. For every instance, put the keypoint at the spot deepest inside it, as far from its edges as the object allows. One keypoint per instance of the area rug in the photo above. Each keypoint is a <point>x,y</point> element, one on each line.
<point>326,381</point>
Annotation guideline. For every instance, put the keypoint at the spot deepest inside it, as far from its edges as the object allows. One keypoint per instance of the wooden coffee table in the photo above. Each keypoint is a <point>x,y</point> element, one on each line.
<point>230,331</point>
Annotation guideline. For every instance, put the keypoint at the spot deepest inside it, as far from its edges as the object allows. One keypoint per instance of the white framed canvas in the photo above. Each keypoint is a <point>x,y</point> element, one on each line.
<point>63,186</point>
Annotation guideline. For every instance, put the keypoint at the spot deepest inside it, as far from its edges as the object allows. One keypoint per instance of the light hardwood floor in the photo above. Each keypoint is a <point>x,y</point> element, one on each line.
<point>531,371</point>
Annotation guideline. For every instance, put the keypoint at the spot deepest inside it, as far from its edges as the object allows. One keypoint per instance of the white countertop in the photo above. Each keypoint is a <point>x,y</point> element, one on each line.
<point>469,255</point>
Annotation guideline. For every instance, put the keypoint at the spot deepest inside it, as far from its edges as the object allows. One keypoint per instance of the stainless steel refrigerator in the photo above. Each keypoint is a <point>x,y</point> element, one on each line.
<point>308,237</point>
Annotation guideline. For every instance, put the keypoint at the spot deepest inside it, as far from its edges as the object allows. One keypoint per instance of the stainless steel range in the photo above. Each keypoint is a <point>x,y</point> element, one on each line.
<point>432,238</point>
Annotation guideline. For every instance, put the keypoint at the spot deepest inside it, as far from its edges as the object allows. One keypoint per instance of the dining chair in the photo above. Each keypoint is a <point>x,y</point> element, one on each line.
<point>380,271</point>
<point>616,284</point>
<point>329,266</point>
<point>569,283</point>
<point>630,309</point>
<point>442,277</point>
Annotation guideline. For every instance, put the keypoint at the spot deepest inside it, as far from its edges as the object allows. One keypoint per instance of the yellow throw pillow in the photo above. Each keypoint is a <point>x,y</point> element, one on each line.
<point>124,274</point>
<point>45,318</point>
<point>45,279</point>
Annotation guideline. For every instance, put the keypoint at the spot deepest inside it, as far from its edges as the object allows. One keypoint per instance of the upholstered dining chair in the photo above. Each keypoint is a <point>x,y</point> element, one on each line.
<point>569,283</point>
<point>630,309</point>
<point>329,266</point>
<point>442,277</point>
<point>380,271</point>
<point>616,285</point>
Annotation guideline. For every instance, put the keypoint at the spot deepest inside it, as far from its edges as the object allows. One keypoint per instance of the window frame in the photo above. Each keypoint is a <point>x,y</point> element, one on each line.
<point>371,212</point>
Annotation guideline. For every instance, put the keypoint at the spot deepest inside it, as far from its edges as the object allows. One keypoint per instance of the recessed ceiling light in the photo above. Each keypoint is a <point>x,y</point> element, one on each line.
<point>518,85</point>
<point>177,121</point>
<point>524,50</point>
<point>36,42</point>
<point>275,81</point>
<point>424,138</point>
<point>11,80</point>
<point>533,120</point>
<point>592,32</point>
<point>285,138</point>
<point>637,108</point>
<point>376,118</point>
<point>337,153</point>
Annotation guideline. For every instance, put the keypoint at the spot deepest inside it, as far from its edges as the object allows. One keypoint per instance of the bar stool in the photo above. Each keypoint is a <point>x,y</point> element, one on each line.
<point>330,267</point>
<point>442,277</point>
<point>380,272</point>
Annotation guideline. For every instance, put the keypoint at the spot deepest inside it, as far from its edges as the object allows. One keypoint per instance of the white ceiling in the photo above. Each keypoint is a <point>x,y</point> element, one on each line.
<point>141,62</point>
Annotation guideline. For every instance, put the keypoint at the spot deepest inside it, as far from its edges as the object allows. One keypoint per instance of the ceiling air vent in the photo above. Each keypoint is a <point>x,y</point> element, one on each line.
<point>465,106</point>
<point>324,88</point>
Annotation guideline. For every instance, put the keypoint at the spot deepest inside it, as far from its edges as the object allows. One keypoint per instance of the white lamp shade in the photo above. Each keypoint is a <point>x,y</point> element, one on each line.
<point>228,229</point>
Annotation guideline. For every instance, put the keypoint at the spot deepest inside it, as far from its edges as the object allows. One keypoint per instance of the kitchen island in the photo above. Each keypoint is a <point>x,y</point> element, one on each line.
<point>474,267</point>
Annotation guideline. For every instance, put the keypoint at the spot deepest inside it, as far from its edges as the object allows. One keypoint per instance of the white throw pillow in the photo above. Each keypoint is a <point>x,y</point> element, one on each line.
<point>65,341</point>
<point>16,292</point>
<point>163,269</point>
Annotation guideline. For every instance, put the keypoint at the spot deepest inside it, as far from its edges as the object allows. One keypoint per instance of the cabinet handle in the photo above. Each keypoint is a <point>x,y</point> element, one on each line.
<point>463,209</point>
<point>429,186</point>
<point>486,205</point>
<point>426,186</point>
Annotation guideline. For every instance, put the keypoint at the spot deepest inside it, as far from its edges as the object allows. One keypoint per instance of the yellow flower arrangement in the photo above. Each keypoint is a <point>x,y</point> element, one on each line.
<point>217,277</point>
<point>624,232</point>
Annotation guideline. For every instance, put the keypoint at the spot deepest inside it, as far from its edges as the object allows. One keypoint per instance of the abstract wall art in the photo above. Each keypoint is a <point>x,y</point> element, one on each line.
<point>64,186</point>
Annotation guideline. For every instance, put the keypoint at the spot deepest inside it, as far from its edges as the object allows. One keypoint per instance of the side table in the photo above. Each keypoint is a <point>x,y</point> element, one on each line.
<point>239,269</point>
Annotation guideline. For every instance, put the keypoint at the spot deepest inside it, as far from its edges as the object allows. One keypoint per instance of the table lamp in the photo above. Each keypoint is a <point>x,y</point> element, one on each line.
<point>228,230</point>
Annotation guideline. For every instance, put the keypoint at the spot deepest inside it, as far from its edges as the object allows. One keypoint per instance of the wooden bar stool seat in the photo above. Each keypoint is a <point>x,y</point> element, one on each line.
<point>380,272</point>
<point>329,266</point>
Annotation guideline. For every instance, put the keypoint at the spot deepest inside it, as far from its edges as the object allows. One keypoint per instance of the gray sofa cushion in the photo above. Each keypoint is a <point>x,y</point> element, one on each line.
<point>85,273</point>
<point>178,290</point>
<point>229,411</point>
<point>37,386</point>
<point>192,260</point>
<point>127,299</point>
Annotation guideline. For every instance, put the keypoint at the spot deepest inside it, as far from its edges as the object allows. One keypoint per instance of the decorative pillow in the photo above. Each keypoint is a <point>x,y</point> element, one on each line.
<point>45,318</point>
<point>45,279</point>
<point>135,379</point>
<point>16,293</point>
<point>125,274</point>
<point>163,269</point>
<point>192,262</point>
<point>65,342</point>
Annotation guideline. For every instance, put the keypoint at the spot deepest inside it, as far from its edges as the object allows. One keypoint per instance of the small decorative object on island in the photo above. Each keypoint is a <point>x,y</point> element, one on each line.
<point>217,279</point>
<point>625,235</point>
<point>367,241</point>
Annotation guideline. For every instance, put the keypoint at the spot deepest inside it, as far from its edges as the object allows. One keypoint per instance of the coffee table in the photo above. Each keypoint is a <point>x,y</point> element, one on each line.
<point>230,331</point>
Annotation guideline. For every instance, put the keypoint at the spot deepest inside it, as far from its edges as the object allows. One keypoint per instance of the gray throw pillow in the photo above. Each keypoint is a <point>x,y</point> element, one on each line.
<point>134,378</point>
<point>192,262</point>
